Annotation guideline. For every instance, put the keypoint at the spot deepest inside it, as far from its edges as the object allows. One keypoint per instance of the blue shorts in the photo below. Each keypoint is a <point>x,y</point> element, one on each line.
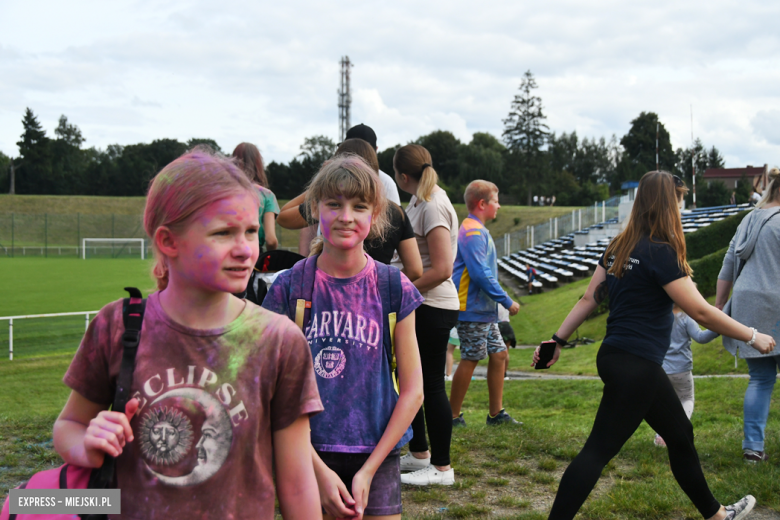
<point>478,340</point>
<point>384,497</point>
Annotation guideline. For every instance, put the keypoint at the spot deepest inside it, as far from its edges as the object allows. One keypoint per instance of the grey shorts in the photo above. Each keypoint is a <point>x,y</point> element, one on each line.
<point>478,340</point>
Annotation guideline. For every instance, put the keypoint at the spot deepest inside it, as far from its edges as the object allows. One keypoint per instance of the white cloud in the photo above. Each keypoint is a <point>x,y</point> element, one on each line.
<point>240,71</point>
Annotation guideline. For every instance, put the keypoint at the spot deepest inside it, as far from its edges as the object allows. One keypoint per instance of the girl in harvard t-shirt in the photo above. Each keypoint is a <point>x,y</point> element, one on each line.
<point>222,389</point>
<point>357,438</point>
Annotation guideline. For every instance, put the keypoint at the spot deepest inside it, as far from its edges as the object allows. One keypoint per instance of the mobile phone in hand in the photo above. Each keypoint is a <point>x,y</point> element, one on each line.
<point>546,353</point>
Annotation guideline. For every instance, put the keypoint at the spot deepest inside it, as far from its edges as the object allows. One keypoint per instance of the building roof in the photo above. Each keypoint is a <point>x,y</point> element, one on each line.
<point>749,171</point>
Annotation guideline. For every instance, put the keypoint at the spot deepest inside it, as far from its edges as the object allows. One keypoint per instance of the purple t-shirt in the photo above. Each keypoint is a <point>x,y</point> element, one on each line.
<point>210,401</point>
<point>345,334</point>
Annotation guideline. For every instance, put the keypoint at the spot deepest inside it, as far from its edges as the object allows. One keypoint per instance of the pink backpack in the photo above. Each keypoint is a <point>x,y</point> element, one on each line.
<point>64,477</point>
<point>68,476</point>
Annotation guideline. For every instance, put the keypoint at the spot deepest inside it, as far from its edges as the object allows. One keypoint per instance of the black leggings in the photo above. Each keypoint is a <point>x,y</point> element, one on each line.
<point>433,333</point>
<point>634,389</point>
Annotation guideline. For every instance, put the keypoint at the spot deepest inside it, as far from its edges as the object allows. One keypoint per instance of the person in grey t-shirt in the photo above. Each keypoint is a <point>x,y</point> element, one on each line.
<point>678,363</point>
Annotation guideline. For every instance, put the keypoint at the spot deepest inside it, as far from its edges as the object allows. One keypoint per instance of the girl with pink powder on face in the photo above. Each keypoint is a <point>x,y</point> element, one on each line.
<point>357,439</point>
<point>222,389</point>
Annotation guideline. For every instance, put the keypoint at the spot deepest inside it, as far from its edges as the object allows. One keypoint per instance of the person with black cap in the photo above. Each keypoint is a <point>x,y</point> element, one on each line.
<point>367,134</point>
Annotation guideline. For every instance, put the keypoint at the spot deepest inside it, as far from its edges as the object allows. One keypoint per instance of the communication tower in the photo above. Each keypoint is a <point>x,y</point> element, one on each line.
<point>345,98</point>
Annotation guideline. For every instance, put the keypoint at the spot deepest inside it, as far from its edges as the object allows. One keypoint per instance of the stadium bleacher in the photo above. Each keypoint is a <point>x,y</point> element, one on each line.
<point>559,259</point>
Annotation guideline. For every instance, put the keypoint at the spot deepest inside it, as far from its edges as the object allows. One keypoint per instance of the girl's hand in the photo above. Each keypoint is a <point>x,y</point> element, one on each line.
<point>108,433</point>
<point>335,499</point>
<point>764,343</point>
<point>361,485</point>
<point>552,361</point>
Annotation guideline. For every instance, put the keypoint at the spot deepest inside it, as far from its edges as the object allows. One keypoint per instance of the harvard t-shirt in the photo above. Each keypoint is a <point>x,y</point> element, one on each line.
<point>210,401</point>
<point>345,334</point>
<point>640,312</point>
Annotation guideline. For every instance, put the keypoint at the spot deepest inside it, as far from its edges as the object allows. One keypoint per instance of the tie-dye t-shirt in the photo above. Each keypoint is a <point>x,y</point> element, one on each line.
<point>345,334</point>
<point>210,401</point>
<point>267,203</point>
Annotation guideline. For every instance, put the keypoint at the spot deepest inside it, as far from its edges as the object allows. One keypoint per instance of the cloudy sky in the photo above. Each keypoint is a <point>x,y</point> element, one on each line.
<point>268,72</point>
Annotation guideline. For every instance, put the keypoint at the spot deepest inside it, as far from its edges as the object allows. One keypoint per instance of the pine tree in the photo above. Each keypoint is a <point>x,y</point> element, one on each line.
<point>34,151</point>
<point>525,133</point>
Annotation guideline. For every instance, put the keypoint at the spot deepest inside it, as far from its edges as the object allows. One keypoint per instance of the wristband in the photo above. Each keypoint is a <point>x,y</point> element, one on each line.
<point>753,339</point>
<point>563,343</point>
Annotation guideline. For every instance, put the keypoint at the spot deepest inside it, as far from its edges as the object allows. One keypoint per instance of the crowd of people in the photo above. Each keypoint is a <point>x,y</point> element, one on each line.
<point>311,397</point>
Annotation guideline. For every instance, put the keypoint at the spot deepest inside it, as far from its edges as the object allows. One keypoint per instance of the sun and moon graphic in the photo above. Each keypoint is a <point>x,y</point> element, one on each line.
<point>167,436</point>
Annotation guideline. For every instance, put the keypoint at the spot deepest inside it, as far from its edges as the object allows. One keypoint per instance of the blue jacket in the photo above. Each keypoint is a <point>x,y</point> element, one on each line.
<point>476,274</point>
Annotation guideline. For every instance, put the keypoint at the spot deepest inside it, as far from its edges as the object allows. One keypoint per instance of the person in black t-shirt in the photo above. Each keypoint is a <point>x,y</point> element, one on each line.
<point>644,271</point>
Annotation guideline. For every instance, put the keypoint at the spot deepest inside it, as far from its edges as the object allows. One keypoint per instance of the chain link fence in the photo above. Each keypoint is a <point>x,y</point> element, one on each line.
<point>61,235</point>
<point>50,234</point>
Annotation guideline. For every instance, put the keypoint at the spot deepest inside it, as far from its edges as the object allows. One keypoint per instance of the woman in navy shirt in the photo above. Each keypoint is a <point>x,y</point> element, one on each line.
<point>644,271</point>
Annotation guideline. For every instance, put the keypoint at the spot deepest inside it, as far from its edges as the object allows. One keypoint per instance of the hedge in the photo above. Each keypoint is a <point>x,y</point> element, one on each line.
<point>712,238</point>
<point>706,270</point>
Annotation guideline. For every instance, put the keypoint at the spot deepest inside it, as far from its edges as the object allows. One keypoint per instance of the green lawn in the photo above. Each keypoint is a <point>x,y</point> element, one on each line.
<point>505,472</point>
<point>50,285</point>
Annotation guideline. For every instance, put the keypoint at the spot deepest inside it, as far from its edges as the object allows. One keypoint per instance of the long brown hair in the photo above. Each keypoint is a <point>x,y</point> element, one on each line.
<point>415,161</point>
<point>250,160</point>
<point>361,148</point>
<point>365,151</point>
<point>655,215</point>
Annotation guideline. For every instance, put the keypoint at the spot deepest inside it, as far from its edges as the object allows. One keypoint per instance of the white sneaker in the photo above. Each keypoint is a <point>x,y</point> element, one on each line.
<point>447,378</point>
<point>411,463</point>
<point>429,475</point>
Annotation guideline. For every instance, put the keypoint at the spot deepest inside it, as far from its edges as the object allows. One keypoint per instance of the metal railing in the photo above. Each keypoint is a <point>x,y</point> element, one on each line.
<point>556,227</point>
<point>11,319</point>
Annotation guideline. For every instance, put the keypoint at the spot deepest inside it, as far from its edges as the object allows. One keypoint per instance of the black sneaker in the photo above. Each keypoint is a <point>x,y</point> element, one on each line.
<point>459,421</point>
<point>740,509</point>
<point>753,456</point>
<point>500,418</point>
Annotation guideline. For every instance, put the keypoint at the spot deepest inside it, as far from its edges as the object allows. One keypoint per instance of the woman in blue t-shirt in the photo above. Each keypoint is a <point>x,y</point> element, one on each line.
<point>644,272</point>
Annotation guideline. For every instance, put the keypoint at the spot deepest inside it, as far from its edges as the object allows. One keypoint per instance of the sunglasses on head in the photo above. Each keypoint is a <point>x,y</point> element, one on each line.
<point>678,181</point>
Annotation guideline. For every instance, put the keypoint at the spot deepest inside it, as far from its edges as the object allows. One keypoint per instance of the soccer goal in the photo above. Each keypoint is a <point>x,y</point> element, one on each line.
<point>113,248</point>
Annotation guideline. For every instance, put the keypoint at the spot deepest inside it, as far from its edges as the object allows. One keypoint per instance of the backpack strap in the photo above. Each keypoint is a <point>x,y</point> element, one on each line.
<point>301,290</point>
<point>132,316</point>
<point>389,282</point>
<point>64,476</point>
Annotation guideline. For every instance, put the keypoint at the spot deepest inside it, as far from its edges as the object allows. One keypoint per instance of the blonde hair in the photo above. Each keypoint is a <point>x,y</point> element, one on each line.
<point>183,188</point>
<point>478,190</point>
<point>350,177</point>
<point>770,192</point>
<point>415,161</point>
<point>655,215</point>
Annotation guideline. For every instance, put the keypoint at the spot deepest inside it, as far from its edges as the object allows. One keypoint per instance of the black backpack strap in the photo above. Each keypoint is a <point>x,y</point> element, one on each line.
<point>64,476</point>
<point>133,316</point>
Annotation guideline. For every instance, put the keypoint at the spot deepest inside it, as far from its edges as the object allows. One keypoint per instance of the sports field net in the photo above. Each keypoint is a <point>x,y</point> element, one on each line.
<point>113,248</point>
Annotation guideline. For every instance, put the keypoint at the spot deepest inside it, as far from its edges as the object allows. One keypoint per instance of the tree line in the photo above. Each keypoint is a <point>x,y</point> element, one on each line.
<point>528,159</point>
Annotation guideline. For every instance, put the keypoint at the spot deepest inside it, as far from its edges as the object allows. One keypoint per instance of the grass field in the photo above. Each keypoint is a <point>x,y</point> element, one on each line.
<point>505,472</point>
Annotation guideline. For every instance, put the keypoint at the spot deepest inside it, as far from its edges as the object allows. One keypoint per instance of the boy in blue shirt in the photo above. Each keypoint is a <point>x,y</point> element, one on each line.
<point>475,274</point>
